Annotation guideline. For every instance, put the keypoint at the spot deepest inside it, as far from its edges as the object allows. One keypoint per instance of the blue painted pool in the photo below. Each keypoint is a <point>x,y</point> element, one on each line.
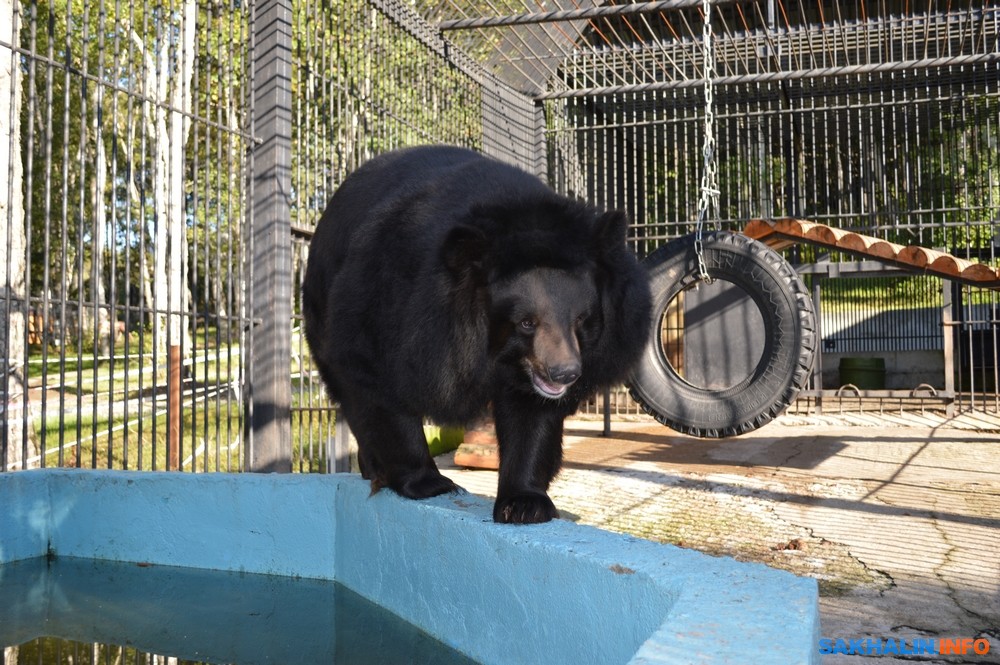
<point>552,593</point>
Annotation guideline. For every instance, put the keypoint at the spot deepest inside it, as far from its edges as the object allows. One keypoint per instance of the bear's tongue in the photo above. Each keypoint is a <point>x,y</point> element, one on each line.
<point>548,389</point>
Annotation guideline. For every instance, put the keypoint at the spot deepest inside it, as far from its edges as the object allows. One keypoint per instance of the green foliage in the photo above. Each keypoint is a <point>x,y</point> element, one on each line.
<point>908,164</point>
<point>362,84</point>
<point>880,294</point>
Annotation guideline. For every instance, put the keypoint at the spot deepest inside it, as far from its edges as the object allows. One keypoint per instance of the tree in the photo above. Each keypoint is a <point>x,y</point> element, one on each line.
<point>166,76</point>
<point>113,169</point>
<point>17,436</point>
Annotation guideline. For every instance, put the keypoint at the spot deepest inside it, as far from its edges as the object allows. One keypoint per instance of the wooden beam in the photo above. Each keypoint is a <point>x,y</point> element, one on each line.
<point>781,233</point>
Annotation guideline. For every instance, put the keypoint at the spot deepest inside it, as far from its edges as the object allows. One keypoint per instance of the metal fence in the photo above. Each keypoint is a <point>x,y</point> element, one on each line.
<point>163,163</point>
<point>166,163</point>
<point>881,314</point>
<point>878,117</point>
<point>123,173</point>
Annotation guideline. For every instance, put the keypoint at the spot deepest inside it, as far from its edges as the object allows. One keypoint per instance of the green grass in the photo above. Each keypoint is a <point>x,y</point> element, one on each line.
<point>120,384</point>
<point>141,442</point>
<point>882,294</point>
<point>211,434</point>
<point>125,376</point>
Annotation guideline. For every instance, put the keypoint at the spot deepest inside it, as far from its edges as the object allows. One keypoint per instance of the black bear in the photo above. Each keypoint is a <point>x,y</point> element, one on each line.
<point>441,282</point>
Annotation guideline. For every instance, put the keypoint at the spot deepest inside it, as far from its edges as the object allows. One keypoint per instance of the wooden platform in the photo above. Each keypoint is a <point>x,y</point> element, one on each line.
<point>781,233</point>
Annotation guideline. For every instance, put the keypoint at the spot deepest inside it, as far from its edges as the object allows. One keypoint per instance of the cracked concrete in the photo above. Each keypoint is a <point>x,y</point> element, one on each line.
<point>900,525</point>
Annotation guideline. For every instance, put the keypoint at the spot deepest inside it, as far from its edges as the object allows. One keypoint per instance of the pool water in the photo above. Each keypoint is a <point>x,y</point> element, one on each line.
<point>67,610</point>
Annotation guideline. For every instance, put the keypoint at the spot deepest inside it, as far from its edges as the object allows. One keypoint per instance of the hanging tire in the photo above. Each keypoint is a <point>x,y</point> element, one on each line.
<point>788,339</point>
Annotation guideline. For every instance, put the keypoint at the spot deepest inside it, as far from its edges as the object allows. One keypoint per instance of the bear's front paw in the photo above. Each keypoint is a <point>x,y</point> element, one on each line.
<point>423,484</point>
<point>526,508</point>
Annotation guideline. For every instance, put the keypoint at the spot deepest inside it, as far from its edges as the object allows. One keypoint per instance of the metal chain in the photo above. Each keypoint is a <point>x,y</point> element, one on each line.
<point>708,201</point>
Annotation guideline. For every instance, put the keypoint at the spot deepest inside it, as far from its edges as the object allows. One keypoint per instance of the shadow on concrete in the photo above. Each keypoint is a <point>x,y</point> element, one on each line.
<point>673,448</point>
<point>715,486</point>
<point>938,497</point>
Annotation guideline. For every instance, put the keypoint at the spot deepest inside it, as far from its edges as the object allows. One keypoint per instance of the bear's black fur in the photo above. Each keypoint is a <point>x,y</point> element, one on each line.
<point>440,282</point>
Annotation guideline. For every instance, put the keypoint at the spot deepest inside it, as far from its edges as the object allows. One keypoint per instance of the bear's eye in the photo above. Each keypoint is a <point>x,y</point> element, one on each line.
<point>528,325</point>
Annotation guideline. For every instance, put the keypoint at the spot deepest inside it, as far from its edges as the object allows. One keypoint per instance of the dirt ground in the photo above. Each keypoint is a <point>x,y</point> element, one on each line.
<point>898,521</point>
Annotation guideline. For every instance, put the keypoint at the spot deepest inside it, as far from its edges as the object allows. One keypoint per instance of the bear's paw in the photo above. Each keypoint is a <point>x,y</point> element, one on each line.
<point>524,508</point>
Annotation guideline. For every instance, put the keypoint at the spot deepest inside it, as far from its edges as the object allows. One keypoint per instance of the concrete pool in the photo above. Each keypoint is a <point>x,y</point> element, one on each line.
<point>552,593</point>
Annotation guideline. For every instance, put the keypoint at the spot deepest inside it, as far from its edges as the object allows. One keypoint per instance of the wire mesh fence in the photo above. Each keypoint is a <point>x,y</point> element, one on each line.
<point>123,206</point>
<point>163,161</point>
<point>879,118</point>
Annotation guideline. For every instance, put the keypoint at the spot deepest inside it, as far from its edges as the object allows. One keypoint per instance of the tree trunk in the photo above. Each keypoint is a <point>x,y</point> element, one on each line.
<point>17,443</point>
<point>173,71</point>
<point>103,318</point>
<point>167,121</point>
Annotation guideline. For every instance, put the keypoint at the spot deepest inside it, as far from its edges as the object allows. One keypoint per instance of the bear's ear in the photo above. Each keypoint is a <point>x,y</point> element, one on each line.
<point>464,250</point>
<point>610,230</point>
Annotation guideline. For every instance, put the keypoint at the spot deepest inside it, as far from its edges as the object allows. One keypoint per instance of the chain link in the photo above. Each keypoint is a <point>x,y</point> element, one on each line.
<point>708,201</point>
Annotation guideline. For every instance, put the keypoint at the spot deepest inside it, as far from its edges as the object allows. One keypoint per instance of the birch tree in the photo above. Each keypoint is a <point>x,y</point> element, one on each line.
<point>169,69</point>
<point>17,436</point>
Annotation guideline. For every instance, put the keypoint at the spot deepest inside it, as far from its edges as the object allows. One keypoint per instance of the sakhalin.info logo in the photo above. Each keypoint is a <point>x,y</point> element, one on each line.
<point>873,646</point>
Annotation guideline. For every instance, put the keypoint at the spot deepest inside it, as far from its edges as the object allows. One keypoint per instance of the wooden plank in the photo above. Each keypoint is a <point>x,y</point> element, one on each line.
<point>920,257</point>
<point>949,265</point>
<point>980,272</point>
<point>758,229</point>
<point>854,242</point>
<point>826,234</point>
<point>781,233</point>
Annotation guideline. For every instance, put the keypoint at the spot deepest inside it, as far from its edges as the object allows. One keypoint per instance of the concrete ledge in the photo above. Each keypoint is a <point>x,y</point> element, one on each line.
<point>553,593</point>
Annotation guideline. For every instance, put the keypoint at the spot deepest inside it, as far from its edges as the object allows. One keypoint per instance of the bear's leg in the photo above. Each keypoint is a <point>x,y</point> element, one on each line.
<point>393,452</point>
<point>530,439</point>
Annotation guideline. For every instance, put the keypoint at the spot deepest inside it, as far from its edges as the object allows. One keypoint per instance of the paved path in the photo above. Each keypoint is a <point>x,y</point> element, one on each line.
<point>900,524</point>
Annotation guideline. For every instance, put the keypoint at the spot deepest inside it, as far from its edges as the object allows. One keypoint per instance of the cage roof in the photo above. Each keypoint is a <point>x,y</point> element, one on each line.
<point>569,48</point>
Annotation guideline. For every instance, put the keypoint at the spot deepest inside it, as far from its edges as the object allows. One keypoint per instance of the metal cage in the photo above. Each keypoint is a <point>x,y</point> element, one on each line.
<point>164,162</point>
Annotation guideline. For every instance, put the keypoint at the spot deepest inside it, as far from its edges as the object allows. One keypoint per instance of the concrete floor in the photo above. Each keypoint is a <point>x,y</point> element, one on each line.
<point>899,522</point>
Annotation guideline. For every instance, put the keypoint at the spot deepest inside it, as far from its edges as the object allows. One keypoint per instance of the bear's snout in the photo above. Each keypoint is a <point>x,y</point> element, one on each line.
<point>553,381</point>
<point>556,364</point>
<point>564,374</point>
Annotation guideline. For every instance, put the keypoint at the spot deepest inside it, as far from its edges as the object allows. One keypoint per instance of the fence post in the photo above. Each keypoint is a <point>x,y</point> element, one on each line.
<point>269,444</point>
<point>948,344</point>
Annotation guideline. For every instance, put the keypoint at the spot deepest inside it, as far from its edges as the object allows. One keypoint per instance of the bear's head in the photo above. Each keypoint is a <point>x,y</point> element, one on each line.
<point>540,319</point>
<point>556,287</point>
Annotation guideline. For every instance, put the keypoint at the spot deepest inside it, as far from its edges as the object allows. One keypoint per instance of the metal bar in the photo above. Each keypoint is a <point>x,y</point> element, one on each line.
<point>817,372</point>
<point>572,14</point>
<point>416,27</point>
<point>607,412</point>
<point>269,443</point>
<point>773,77</point>
<point>339,459</point>
<point>914,393</point>
<point>948,340</point>
<point>173,407</point>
